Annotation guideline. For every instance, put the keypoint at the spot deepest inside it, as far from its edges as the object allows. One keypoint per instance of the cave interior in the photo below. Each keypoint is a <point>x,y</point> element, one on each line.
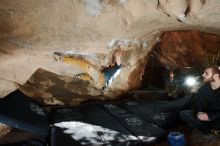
<point>187,53</point>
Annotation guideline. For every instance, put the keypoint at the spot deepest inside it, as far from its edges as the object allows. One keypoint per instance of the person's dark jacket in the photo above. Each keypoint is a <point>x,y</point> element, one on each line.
<point>208,101</point>
<point>171,88</point>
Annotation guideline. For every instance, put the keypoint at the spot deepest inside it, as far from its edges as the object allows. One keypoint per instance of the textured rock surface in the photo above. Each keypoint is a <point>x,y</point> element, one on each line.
<point>187,48</point>
<point>31,30</point>
<point>50,89</point>
<point>12,135</point>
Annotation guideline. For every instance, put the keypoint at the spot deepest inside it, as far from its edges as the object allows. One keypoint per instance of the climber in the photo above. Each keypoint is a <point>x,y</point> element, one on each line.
<point>103,76</point>
<point>114,69</point>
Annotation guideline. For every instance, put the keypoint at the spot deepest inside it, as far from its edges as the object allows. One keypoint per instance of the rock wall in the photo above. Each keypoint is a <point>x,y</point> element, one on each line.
<point>179,49</point>
<point>31,30</point>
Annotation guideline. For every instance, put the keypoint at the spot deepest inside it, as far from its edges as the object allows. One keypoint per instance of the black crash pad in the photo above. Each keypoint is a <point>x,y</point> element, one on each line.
<point>93,125</point>
<point>161,113</point>
<point>109,128</point>
<point>145,131</point>
<point>19,111</point>
<point>72,128</point>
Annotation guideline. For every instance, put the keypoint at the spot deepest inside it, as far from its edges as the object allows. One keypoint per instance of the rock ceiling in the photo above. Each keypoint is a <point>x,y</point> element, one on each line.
<point>30,31</point>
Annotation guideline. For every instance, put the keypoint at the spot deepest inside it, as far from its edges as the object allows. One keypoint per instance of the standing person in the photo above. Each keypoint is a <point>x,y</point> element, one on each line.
<point>171,86</point>
<point>206,115</point>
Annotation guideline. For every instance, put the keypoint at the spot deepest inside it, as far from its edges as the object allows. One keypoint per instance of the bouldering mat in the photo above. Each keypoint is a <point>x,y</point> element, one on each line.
<point>72,128</point>
<point>109,128</point>
<point>92,124</point>
<point>161,113</point>
<point>19,111</point>
<point>62,114</point>
<point>145,131</point>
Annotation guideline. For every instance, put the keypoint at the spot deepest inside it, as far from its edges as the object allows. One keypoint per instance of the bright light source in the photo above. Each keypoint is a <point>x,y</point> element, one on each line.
<point>190,81</point>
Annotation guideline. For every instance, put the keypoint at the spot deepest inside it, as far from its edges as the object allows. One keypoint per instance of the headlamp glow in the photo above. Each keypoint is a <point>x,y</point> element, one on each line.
<point>190,81</point>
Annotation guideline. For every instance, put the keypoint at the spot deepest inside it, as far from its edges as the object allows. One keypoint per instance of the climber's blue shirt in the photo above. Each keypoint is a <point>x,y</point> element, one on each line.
<point>110,74</point>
